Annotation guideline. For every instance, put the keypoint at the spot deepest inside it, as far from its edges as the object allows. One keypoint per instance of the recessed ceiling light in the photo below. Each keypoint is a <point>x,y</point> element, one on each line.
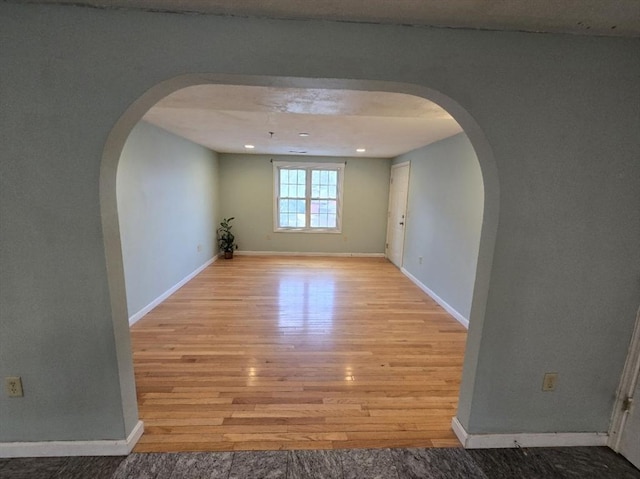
<point>249,147</point>
<point>303,134</point>
<point>361,150</point>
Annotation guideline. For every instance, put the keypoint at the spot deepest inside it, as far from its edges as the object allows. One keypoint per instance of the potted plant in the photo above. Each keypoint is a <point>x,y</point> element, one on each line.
<point>226,239</point>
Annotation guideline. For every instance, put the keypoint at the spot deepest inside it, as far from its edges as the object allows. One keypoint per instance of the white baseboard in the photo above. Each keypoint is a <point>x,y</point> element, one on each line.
<point>461,319</point>
<point>144,311</point>
<point>302,253</point>
<point>73,448</point>
<point>550,439</point>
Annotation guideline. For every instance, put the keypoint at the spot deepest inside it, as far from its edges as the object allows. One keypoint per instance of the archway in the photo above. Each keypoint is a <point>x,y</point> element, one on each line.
<point>111,231</point>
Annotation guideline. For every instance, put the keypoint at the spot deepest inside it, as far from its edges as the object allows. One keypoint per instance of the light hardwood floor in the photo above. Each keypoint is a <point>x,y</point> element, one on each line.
<point>297,353</point>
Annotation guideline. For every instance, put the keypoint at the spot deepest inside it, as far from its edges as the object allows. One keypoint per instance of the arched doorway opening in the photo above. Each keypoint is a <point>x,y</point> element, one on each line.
<point>111,230</point>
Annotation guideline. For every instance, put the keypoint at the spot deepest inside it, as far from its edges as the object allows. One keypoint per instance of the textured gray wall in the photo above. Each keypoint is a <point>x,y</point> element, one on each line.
<point>167,190</point>
<point>554,120</point>
<point>444,217</point>
<point>247,193</point>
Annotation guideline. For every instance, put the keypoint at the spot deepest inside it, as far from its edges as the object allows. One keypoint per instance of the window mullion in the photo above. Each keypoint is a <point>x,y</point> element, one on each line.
<point>308,199</point>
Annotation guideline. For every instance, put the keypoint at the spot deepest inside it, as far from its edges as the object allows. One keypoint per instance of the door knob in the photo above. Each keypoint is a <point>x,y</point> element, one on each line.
<point>402,222</point>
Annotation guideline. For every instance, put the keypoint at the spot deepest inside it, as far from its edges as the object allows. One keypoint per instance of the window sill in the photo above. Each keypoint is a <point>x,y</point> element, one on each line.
<point>308,230</point>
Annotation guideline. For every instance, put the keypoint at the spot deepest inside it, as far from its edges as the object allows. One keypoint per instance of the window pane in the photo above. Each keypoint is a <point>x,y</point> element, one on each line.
<point>321,198</point>
<point>321,221</point>
<point>287,216</point>
<point>323,214</point>
<point>292,184</point>
<point>294,187</point>
<point>291,220</point>
<point>324,184</point>
<point>292,213</point>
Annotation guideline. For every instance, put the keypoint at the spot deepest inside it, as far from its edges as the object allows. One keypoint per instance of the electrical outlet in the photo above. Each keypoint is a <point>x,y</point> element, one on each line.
<point>199,248</point>
<point>549,381</point>
<point>14,386</point>
<point>419,259</point>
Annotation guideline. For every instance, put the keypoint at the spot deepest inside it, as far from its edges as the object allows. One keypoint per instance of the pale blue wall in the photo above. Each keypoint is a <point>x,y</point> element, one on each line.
<point>168,205</point>
<point>247,194</point>
<point>556,116</point>
<point>445,206</point>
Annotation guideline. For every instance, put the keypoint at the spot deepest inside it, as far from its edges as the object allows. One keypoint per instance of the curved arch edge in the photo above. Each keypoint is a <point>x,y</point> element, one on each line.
<point>111,230</point>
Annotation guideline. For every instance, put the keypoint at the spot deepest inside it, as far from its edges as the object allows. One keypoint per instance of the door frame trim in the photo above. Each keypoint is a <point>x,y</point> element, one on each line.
<point>157,88</point>
<point>628,380</point>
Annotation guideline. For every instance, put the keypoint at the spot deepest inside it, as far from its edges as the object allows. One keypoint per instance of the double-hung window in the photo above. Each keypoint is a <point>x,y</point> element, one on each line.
<point>308,196</point>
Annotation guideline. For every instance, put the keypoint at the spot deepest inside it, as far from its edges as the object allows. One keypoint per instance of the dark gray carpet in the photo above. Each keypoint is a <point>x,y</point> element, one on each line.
<point>539,463</point>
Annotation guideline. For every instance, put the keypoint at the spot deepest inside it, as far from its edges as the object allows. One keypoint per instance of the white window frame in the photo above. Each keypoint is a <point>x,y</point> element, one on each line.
<point>300,165</point>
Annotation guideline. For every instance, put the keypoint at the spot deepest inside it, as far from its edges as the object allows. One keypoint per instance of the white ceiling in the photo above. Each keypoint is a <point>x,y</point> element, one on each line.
<point>225,118</point>
<point>584,17</point>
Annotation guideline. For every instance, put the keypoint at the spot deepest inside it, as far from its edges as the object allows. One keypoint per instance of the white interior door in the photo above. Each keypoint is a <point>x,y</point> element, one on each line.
<point>625,431</point>
<point>396,222</point>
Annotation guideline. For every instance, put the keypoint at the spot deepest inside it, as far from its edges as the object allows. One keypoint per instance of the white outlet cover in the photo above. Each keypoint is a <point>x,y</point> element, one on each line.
<point>14,386</point>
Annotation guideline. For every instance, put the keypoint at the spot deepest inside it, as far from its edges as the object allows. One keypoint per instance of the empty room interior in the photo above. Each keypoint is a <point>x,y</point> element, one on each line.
<point>384,359</point>
<point>435,210</point>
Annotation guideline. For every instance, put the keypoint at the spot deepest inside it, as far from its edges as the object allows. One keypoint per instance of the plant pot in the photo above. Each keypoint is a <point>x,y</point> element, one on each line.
<point>228,255</point>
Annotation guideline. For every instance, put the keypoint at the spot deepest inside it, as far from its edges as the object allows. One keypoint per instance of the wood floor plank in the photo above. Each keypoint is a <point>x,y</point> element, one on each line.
<point>266,353</point>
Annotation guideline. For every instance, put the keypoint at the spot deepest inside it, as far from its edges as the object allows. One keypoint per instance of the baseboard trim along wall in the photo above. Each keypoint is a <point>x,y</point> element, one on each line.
<point>73,448</point>
<point>551,439</point>
<point>144,311</point>
<point>461,319</point>
<point>293,253</point>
